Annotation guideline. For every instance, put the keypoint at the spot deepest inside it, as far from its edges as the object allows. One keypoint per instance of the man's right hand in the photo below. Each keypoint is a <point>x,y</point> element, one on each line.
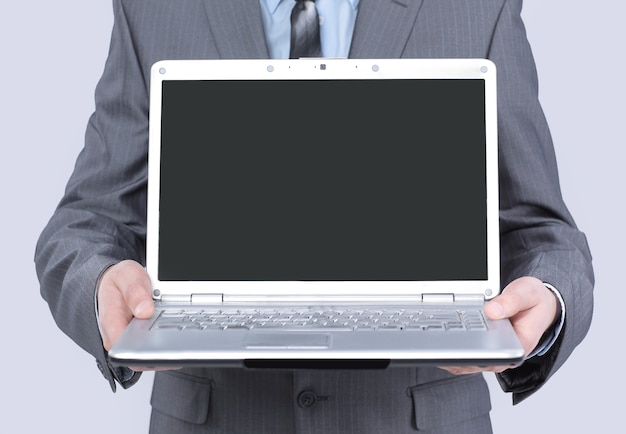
<point>125,291</point>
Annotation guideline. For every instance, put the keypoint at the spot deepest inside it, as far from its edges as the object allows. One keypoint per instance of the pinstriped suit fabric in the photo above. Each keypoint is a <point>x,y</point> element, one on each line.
<point>101,219</point>
<point>347,402</point>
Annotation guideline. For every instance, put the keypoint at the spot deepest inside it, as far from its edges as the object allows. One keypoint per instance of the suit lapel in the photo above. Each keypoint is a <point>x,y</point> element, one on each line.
<point>237,28</point>
<point>383,27</point>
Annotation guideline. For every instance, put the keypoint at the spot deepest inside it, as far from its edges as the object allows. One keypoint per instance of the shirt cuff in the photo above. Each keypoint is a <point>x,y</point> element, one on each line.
<point>551,336</point>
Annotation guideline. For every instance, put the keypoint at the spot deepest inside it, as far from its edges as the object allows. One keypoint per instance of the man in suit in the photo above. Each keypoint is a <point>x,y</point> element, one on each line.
<point>89,257</point>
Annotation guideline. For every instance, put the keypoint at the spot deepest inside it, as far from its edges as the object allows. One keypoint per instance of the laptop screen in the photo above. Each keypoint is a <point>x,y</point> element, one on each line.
<point>340,180</point>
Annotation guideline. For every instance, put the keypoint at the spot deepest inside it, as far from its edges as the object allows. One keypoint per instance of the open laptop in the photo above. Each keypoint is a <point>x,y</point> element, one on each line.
<point>322,213</point>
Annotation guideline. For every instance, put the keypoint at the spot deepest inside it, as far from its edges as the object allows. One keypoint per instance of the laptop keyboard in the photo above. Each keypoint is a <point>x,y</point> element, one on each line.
<point>314,318</point>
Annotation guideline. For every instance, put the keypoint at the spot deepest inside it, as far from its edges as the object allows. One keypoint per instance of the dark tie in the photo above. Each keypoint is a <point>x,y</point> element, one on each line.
<point>305,30</point>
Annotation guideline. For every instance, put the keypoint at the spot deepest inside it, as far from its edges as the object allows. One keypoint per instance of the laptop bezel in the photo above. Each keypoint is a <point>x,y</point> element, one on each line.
<point>248,69</point>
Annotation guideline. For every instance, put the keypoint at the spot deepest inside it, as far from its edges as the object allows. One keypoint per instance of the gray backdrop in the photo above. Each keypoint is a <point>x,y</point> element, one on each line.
<point>52,55</point>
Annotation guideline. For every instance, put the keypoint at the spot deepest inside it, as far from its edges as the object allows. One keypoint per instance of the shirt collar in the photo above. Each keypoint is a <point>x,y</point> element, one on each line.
<point>273,4</point>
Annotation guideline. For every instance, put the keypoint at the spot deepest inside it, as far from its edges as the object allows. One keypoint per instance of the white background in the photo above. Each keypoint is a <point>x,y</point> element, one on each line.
<point>52,54</point>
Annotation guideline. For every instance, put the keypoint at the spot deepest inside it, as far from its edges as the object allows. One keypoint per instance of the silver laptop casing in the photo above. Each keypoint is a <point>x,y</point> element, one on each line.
<point>140,345</point>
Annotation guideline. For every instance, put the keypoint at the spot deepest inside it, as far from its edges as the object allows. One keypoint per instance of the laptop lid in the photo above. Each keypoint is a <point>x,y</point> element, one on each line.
<point>323,179</point>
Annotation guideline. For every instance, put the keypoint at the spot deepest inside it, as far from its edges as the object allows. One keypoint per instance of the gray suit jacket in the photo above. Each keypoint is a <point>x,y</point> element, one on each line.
<point>101,218</point>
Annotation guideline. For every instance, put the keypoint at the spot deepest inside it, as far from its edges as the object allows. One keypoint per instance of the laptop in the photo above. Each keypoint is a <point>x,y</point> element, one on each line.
<point>322,213</point>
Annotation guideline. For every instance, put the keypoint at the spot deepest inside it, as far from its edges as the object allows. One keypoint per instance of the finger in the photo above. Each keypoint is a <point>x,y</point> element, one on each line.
<point>134,284</point>
<point>530,305</point>
<point>156,369</point>
<point>122,282</point>
<point>519,296</point>
<point>465,370</point>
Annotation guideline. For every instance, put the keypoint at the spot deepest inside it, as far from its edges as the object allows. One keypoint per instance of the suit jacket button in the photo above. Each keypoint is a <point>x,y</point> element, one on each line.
<point>307,399</point>
<point>101,369</point>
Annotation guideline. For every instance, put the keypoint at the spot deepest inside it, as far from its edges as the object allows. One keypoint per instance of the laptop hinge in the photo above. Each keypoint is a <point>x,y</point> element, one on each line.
<point>192,299</point>
<point>469,298</point>
<point>438,298</point>
<point>207,298</point>
<point>176,298</point>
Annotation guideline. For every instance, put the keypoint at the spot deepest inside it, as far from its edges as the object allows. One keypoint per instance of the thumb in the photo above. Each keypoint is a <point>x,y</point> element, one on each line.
<point>124,292</point>
<point>519,296</point>
<point>135,286</point>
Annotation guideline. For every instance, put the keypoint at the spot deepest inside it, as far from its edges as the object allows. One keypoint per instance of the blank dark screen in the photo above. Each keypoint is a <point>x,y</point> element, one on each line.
<point>343,180</point>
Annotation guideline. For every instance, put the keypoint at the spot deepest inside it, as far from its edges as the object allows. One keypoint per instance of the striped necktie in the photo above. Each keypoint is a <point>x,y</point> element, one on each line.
<point>305,30</point>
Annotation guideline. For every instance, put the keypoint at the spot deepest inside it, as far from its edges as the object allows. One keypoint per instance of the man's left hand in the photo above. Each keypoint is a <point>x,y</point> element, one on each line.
<point>531,307</point>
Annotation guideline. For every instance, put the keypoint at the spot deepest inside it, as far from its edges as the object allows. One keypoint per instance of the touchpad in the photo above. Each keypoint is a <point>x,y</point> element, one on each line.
<point>291,341</point>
